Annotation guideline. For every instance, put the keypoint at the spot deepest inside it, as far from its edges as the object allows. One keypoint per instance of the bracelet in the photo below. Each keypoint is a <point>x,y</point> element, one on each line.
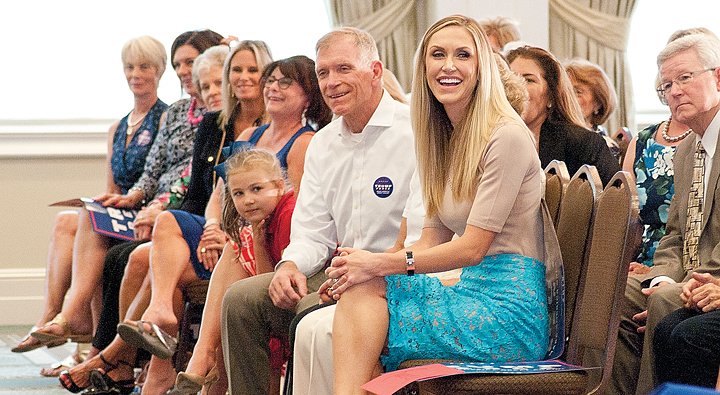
<point>410,263</point>
<point>211,222</point>
<point>142,194</point>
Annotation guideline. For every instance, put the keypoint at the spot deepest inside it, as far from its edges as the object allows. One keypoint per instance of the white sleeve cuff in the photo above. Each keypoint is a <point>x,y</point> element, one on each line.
<point>280,263</point>
<point>660,279</point>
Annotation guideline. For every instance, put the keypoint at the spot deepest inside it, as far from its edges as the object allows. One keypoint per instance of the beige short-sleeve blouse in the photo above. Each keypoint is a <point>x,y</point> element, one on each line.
<point>507,200</point>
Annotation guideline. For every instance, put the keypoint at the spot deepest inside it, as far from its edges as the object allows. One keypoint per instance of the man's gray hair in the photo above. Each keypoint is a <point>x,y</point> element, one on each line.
<point>362,40</point>
<point>706,46</point>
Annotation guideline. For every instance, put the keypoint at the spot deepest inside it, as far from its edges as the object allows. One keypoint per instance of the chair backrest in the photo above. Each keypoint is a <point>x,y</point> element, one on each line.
<point>556,181</point>
<point>573,231</point>
<point>615,237</point>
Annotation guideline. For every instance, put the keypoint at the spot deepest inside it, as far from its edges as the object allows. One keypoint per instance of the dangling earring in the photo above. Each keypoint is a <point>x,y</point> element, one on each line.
<point>303,119</point>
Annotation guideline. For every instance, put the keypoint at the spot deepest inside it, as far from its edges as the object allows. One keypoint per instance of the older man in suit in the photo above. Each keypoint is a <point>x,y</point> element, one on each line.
<point>690,73</point>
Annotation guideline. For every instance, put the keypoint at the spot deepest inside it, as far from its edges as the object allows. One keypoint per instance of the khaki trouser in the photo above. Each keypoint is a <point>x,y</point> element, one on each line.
<point>249,320</point>
<point>633,370</point>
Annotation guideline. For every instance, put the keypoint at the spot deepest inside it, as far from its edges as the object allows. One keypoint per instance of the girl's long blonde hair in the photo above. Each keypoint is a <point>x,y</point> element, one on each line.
<point>245,160</point>
<point>455,155</point>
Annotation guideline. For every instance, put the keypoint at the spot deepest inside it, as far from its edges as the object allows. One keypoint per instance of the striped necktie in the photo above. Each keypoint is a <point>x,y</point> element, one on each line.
<point>694,212</point>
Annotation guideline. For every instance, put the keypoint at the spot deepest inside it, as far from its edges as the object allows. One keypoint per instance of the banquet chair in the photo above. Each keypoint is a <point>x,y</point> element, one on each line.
<point>615,237</point>
<point>573,230</point>
<point>556,181</point>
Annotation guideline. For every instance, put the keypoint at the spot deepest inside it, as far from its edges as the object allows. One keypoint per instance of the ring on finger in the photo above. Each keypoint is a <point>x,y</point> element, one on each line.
<point>203,250</point>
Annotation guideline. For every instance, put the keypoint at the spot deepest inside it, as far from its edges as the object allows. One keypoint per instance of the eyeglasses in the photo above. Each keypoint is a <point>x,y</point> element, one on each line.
<point>283,82</point>
<point>681,81</point>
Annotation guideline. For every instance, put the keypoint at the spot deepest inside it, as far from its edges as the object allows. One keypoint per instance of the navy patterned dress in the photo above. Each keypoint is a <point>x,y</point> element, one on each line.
<point>128,163</point>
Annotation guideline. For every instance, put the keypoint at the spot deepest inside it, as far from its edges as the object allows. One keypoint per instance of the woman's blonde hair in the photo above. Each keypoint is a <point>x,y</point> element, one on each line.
<point>213,56</point>
<point>514,85</point>
<point>242,161</point>
<point>504,30</point>
<point>231,104</point>
<point>455,155</point>
<point>145,49</point>
<point>392,86</point>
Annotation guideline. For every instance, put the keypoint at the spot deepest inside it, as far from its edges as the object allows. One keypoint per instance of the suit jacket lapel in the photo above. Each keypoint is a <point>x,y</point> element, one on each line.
<point>709,200</point>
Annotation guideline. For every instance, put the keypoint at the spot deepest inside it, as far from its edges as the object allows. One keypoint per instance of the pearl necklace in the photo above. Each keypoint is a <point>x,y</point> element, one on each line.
<point>676,138</point>
<point>131,125</point>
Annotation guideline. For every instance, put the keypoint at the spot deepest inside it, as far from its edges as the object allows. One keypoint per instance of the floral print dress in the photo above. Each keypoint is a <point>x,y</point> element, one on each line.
<point>654,180</point>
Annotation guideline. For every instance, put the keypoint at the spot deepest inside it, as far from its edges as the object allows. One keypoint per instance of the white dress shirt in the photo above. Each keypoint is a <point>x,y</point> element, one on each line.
<point>354,189</point>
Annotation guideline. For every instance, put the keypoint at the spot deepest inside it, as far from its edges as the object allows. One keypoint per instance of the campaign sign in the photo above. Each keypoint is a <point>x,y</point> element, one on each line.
<point>109,221</point>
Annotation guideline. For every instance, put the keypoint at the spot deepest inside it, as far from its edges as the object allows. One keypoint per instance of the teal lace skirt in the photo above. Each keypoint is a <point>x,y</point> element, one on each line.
<point>496,312</point>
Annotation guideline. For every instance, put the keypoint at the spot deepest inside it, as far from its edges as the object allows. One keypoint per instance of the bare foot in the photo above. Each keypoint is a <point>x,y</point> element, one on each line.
<point>160,377</point>
<point>201,362</point>
<point>29,343</point>
<point>80,374</point>
<point>61,328</point>
<point>66,364</point>
<point>163,318</point>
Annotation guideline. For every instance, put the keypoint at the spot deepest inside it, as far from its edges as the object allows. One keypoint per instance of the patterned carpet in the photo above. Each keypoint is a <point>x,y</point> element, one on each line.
<point>20,373</point>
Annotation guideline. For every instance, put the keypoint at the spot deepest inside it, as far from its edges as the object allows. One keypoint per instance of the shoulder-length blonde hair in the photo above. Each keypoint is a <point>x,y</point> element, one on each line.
<point>230,102</point>
<point>455,155</point>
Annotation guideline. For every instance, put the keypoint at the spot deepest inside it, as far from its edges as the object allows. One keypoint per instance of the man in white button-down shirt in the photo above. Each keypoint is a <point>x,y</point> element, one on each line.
<point>353,193</point>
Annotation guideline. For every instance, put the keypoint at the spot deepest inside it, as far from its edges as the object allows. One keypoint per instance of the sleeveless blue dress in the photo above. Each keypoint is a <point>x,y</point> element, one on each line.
<point>282,154</point>
<point>128,163</point>
<point>192,225</point>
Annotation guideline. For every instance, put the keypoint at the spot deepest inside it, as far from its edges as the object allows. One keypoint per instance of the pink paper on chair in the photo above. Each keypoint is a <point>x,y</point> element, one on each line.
<point>389,383</point>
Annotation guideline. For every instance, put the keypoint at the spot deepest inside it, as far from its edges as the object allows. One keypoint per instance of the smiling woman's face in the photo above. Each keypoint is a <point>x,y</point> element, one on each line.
<point>245,76</point>
<point>451,65</point>
<point>290,101</point>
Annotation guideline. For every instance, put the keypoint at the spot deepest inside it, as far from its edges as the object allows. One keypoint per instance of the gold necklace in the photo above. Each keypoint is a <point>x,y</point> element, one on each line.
<point>131,125</point>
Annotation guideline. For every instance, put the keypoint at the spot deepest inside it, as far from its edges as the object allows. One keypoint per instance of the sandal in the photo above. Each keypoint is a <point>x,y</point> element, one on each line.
<point>59,367</point>
<point>102,384</point>
<point>191,384</point>
<point>46,337</point>
<point>69,384</point>
<point>22,347</point>
<point>158,342</point>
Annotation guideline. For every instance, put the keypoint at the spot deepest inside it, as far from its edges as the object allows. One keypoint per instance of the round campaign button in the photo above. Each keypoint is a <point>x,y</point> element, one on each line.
<point>383,187</point>
<point>145,138</point>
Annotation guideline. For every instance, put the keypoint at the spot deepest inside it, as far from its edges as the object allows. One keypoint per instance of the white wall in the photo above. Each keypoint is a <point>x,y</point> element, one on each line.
<point>28,184</point>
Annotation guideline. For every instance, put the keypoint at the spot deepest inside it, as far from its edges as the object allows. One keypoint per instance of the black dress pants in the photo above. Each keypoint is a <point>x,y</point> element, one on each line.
<point>687,348</point>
